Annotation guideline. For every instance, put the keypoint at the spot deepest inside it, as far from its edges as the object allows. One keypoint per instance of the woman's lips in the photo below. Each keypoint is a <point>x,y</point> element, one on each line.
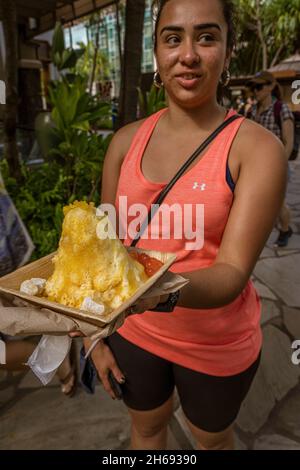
<point>188,82</point>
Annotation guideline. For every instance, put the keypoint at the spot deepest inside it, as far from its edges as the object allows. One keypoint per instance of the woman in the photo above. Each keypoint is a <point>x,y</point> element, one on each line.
<point>209,346</point>
<point>274,115</point>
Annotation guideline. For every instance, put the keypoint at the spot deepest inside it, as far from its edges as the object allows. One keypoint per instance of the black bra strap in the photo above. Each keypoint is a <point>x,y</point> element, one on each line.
<point>155,205</point>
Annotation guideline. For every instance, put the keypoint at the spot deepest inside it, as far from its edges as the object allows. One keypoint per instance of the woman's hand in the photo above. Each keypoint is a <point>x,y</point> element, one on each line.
<point>105,364</point>
<point>139,307</point>
<point>76,334</point>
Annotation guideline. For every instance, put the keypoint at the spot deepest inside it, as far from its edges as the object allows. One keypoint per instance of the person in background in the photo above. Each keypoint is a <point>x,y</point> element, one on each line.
<point>250,101</point>
<point>16,248</point>
<point>275,116</point>
<point>239,104</point>
<point>16,245</point>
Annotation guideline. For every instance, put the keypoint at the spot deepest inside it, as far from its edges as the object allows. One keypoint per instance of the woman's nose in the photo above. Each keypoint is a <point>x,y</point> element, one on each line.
<point>188,53</point>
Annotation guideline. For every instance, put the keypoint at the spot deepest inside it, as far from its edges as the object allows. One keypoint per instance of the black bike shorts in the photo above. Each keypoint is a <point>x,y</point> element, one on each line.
<point>210,403</point>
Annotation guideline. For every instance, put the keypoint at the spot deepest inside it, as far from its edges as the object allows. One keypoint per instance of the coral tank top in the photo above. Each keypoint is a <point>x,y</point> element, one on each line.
<point>221,341</point>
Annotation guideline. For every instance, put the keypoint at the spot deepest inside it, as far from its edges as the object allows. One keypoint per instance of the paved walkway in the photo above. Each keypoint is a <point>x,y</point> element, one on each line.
<point>34,417</point>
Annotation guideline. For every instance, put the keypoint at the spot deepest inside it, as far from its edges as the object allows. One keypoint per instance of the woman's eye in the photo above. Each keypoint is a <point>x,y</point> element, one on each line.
<point>172,40</point>
<point>206,38</point>
<point>203,38</point>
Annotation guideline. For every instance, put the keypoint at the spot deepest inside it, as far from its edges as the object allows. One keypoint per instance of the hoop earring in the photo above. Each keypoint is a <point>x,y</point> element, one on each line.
<point>225,78</point>
<point>157,80</point>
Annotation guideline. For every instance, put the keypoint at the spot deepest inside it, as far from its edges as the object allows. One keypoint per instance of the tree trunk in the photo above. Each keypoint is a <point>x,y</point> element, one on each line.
<point>96,50</point>
<point>261,36</point>
<point>8,13</point>
<point>277,55</point>
<point>29,105</point>
<point>119,34</point>
<point>131,71</point>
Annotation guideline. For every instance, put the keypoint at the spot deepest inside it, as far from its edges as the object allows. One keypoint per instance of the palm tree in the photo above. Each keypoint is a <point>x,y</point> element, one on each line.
<point>131,64</point>
<point>8,14</point>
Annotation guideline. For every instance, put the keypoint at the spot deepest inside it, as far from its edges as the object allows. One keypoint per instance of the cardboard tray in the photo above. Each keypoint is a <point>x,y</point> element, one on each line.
<point>44,267</point>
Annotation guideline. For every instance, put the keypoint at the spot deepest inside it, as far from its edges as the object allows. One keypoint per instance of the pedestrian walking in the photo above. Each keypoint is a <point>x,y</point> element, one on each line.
<point>275,115</point>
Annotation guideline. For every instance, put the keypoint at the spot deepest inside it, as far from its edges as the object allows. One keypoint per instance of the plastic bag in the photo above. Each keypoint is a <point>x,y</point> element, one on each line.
<point>48,356</point>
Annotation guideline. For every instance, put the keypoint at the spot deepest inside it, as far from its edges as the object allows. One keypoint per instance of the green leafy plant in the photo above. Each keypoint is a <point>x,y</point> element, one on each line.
<point>84,65</point>
<point>61,57</point>
<point>77,145</point>
<point>153,101</point>
<point>73,108</point>
<point>74,154</point>
<point>39,201</point>
<point>267,33</point>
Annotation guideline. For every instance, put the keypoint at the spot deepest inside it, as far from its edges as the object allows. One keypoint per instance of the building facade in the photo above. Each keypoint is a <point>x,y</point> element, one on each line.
<point>109,43</point>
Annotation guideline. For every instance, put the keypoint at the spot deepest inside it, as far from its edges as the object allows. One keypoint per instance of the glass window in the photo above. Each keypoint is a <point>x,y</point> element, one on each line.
<point>148,42</point>
<point>149,68</point>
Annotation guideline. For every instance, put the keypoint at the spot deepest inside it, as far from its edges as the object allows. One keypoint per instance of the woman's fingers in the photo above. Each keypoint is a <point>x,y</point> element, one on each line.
<point>103,375</point>
<point>106,365</point>
<point>76,334</point>
<point>118,374</point>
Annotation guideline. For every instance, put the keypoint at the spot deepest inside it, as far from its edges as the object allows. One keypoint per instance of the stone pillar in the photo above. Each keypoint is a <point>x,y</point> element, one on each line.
<point>8,13</point>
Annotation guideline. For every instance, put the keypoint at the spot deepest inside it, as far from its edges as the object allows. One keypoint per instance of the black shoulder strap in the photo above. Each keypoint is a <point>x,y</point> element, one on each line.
<point>155,205</point>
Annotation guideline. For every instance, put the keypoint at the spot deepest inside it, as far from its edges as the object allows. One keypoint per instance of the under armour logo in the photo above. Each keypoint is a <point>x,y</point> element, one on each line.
<point>201,186</point>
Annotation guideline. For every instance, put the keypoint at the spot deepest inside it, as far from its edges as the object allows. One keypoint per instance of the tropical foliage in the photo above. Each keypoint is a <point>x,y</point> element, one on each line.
<point>62,57</point>
<point>84,65</point>
<point>153,101</point>
<point>74,156</point>
<point>267,32</point>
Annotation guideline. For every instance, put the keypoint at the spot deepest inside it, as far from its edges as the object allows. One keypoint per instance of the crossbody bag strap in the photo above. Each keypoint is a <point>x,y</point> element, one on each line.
<point>156,204</point>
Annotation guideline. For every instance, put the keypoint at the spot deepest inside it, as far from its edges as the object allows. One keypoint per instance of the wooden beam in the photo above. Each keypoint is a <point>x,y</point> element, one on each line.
<point>46,24</point>
<point>27,12</point>
<point>41,7</point>
<point>38,8</point>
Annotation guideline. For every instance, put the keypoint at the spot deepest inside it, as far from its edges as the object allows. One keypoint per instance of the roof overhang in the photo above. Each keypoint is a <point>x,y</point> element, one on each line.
<point>283,76</point>
<point>47,12</point>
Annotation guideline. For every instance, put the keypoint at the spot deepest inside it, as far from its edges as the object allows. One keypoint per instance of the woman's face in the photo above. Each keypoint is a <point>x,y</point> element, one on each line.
<point>263,92</point>
<point>192,50</point>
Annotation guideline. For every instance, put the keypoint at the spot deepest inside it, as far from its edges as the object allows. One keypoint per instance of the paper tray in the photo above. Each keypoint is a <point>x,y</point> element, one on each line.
<point>44,268</point>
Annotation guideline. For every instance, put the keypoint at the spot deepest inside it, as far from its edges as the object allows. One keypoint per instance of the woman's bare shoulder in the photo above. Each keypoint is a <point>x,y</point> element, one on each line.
<point>122,139</point>
<point>114,157</point>
<point>254,141</point>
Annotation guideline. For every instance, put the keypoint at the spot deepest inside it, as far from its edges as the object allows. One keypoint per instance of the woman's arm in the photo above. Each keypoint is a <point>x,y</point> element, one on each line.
<point>258,196</point>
